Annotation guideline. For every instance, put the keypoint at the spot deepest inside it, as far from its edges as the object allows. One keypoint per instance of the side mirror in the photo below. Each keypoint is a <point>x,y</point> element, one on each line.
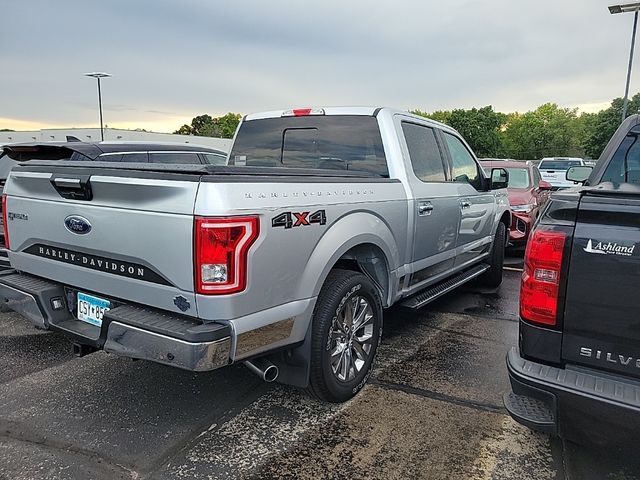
<point>579,174</point>
<point>542,185</point>
<point>499,178</point>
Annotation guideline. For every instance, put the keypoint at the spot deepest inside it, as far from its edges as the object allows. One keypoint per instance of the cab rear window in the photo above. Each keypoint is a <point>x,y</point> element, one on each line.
<point>558,164</point>
<point>348,142</point>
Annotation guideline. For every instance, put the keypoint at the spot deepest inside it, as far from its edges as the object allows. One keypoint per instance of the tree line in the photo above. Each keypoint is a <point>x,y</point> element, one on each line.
<point>208,126</point>
<point>547,131</point>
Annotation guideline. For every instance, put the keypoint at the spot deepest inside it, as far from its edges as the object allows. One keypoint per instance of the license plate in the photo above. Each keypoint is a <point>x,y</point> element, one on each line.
<point>91,309</point>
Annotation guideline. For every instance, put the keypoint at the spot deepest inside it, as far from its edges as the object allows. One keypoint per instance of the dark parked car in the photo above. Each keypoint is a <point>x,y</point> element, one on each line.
<point>527,195</point>
<point>141,152</point>
<point>577,371</point>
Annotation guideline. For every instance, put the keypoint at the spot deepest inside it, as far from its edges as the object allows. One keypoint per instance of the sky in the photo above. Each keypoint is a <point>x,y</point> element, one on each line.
<point>171,61</point>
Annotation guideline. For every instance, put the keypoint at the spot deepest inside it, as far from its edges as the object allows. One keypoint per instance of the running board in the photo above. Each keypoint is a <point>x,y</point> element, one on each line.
<point>426,296</point>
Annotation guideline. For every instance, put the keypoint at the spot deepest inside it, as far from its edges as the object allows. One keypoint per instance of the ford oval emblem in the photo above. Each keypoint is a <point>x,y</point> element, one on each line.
<point>77,224</point>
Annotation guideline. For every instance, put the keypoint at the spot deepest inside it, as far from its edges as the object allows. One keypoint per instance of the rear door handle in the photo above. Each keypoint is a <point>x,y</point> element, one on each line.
<point>425,208</point>
<point>465,203</point>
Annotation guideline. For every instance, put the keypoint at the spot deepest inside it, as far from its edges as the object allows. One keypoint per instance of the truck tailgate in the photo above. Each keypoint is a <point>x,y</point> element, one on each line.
<point>602,320</point>
<point>129,238</point>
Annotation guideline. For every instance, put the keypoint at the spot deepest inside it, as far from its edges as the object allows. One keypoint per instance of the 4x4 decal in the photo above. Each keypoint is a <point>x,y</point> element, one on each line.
<point>299,219</point>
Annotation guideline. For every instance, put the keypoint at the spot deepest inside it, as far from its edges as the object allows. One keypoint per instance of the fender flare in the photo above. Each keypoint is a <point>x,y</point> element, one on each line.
<point>338,240</point>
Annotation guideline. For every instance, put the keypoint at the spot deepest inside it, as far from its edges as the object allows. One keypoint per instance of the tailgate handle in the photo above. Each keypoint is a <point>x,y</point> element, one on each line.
<point>73,188</point>
<point>68,183</point>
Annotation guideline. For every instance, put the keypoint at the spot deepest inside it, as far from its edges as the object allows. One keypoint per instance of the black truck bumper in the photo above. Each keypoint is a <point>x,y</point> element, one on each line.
<point>127,330</point>
<point>581,405</point>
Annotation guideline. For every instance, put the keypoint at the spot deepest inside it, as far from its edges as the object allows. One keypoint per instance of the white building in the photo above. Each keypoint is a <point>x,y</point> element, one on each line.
<point>110,134</point>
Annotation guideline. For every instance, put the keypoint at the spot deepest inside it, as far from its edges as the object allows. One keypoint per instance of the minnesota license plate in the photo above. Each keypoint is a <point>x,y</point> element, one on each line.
<point>91,309</point>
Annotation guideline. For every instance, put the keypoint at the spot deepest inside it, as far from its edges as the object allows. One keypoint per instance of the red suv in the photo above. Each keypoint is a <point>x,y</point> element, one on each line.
<point>527,194</point>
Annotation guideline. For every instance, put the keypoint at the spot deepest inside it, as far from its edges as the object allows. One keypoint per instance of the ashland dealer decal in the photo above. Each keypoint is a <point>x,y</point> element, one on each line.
<point>94,262</point>
<point>609,248</point>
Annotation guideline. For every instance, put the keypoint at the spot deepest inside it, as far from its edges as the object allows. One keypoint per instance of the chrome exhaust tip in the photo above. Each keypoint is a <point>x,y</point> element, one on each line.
<point>262,367</point>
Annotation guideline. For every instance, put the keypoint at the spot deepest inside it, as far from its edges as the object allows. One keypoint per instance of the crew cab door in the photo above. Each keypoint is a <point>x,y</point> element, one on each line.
<point>476,206</point>
<point>433,204</point>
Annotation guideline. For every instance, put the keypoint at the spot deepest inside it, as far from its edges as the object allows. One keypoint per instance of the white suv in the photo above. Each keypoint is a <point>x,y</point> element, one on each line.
<point>554,170</point>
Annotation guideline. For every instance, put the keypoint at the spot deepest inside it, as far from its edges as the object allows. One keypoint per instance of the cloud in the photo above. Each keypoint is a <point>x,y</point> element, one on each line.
<point>174,60</point>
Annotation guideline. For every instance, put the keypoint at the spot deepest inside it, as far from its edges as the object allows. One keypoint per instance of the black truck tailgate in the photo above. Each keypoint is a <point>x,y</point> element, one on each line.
<point>602,309</point>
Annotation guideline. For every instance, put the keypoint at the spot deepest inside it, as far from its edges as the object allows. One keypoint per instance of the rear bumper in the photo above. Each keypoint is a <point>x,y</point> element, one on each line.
<point>126,330</point>
<point>581,405</point>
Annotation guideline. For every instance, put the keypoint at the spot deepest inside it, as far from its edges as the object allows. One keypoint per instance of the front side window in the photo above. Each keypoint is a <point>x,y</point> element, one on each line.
<point>624,166</point>
<point>426,159</point>
<point>465,168</point>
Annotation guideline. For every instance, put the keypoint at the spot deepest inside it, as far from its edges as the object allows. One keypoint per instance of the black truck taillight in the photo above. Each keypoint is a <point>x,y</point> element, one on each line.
<point>221,246</point>
<point>540,286</point>
<point>5,224</point>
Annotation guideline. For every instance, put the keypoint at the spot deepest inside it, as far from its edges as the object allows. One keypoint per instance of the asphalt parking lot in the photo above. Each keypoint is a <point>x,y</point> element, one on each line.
<point>432,409</point>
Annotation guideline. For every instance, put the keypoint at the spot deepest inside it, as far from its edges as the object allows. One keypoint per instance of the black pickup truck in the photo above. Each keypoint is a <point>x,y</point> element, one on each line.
<point>577,371</point>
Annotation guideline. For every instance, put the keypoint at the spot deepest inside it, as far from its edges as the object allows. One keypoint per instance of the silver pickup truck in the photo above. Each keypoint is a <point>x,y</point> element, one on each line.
<point>284,259</point>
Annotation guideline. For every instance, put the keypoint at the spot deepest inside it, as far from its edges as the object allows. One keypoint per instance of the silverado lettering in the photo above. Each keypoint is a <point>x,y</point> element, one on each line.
<point>609,357</point>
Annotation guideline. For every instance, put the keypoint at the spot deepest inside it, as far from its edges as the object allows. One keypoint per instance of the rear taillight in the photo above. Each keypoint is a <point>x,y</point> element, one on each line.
<point>541,277</point>
<point>5,224</point>
<point>220,258</point>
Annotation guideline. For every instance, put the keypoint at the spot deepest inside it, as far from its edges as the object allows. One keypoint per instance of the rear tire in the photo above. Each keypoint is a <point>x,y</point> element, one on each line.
<point>493,277</point>
<point>346,331</point>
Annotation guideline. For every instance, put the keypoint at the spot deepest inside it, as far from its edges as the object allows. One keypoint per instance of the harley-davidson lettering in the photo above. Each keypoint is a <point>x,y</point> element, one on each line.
<point>94,262</point>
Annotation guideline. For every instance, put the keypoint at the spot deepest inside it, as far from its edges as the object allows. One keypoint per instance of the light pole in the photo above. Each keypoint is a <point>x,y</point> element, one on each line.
<point>98,76</point>
<point>625,8</point>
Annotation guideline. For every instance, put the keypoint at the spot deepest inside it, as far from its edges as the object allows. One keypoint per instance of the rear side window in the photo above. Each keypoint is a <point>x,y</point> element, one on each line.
<point>215,158</point>
<point>624,166</point>
<point>178,157</point>
<point>536,176</point>
<point>464,167</point>
<point>426,159</point>
<point>136,157</point>
<point>347,142</point>
<point>110,157</point>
